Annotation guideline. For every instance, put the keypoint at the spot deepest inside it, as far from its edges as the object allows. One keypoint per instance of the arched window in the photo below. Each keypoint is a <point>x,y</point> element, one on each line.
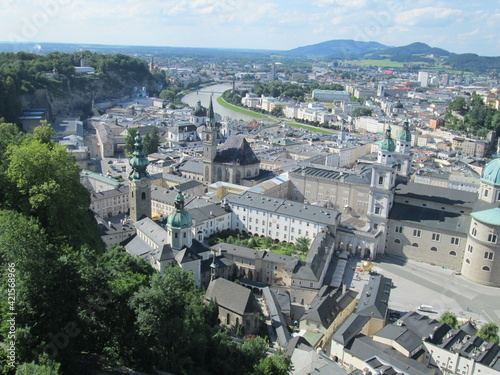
<point>219,174</point>
<point>228,319</point>
<point>467,261</point>
<point>248,172</point>
<point>237,321</point>
<point>143,196</point>
<point>414,244</point>
<point>486,268</point>
<point>453,253</point>
<point>434,248</point>
<point>237,177</point>
<point>397,240</point>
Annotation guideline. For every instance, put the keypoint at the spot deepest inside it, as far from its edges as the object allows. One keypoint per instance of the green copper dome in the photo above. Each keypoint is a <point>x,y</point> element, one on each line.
<point>199,111</point>
<point>491,173</point>
<point>405,135</point>
<point>387,144</point>
<point>180,218</point>
<point>139,162</point>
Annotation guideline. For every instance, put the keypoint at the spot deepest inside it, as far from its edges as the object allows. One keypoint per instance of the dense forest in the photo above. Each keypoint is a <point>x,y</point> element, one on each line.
<point>67,305</point>
<point>22,73</point>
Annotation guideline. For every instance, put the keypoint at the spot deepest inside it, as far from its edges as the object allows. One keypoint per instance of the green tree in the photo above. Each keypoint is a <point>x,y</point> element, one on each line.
<point>361,111</point>
<point>459,105</point>
<point>277,364</point>
<point>43,323</point>
<point>170,321</point>
<point>49,367</point>
<point>130,141</point>
<point>44,132</point>
<point>277,111</point>
<point>449,318</point>
<point>48,186</point>
<point>151,141</point>
<point>302,244</point>
<point>489,332</point>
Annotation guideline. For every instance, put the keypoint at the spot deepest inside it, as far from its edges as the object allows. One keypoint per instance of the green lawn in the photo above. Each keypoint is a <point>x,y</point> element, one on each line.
<point>225,104</point>
<point>310,128</point>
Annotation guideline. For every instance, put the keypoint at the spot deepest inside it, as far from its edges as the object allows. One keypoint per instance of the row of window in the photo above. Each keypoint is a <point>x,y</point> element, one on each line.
<point>434,236</point>
<point>491,237</point>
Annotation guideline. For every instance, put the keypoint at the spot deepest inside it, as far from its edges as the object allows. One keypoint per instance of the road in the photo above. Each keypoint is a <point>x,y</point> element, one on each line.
<point>419,283</point>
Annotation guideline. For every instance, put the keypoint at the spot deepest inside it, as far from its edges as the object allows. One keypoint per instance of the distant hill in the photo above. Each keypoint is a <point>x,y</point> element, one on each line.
<point>337,47</point>
<point>416,49</point>
<point>473,63</point>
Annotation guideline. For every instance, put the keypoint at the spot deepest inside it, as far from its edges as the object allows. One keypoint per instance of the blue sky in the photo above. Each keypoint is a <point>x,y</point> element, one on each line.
<point>456,25</point>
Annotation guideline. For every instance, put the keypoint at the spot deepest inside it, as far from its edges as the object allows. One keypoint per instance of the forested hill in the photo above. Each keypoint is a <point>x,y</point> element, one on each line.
<point>50,81</point>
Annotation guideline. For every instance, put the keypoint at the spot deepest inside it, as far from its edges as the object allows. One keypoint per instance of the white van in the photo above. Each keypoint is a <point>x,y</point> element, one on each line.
<point>425,308</point>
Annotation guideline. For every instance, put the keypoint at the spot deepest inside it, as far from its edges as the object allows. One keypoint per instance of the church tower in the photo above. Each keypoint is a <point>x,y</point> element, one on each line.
<point>179,224</point>
<point>140,185</point>
<point>382,185</point>
<point>209,145</point>
<point>403,149</point>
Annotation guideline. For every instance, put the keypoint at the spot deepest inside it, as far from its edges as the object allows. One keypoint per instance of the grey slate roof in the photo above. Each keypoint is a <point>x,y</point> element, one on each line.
<point>350,328</point>
<point>436,194</point>
<point>277,319</point>
<point>402,335</point>
<point>191,166</point>
<point>236,150</point>
<point>328,304</point>
<point>364,348</point>
<point>374,299</point>
<point>232,296</point>
<point>428,217</point>
<point>284,207</point>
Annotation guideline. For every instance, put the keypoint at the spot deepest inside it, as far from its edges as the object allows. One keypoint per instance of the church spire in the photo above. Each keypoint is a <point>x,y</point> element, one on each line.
<point>211,114</point>
<point>139,162</point>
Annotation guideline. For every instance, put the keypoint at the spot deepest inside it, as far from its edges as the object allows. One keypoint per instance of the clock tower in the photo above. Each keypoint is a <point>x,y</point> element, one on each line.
<point>140,185</point>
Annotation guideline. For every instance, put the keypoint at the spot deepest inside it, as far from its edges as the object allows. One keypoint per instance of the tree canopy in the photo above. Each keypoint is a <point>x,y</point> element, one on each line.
<point>449,318</point>
<point>489,332</point>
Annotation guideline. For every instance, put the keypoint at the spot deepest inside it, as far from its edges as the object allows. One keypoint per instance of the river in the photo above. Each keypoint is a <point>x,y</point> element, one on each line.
<point>204,95</point>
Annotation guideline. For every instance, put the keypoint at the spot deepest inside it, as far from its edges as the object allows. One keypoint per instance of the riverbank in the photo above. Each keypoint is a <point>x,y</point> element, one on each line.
<point>234,108</point>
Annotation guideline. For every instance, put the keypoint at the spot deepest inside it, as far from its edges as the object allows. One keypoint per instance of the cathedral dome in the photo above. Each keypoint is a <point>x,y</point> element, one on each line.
<point>387,144</point>
<point>199,111</point>
<point>180,218</point>
<point>491,173</point>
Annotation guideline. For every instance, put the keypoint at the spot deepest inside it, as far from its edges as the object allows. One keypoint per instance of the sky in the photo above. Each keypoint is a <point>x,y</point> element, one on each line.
<point>456,25</point>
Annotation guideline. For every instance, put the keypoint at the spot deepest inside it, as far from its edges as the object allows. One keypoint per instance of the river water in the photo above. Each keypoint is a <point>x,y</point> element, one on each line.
<point>215,91</point>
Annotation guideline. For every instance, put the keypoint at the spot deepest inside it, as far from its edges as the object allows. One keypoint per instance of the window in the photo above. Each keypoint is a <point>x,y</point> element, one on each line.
<point>436,237</point>
<point>398,229</point>
<point>453,253</point>
<point>488,255</point>
<point>414,244</point>
<point>486,268</point>
<point>492,238</point>
<point>277,226</point>
<point>256,221</point>
<point>377,210</point>
<point>249,219</point>
<point>455,240</point>
<point>474,232</point>
<point>380,180</point>
<point>292,229</point>
<point>467,261</point>
<point>417,233</point>
<point>486,193</point>
<point>300,231</point>
<point>470,248</point>
<point>397,240</point>
<point>434,248</point>
<point>286,228</point>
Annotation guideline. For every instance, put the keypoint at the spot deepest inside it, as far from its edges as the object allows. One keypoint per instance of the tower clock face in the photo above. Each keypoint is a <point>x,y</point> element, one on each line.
<point>143,182</point>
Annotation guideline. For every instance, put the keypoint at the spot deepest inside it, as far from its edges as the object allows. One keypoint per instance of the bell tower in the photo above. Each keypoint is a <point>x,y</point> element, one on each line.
<point>140,185</point>
<point>382,185</point>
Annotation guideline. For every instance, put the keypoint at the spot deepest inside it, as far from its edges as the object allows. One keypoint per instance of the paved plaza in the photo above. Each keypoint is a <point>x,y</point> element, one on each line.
<point>417,283</point>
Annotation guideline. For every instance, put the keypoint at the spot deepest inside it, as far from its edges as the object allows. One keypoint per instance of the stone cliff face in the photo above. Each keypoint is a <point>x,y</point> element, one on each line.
<point>67,95</point>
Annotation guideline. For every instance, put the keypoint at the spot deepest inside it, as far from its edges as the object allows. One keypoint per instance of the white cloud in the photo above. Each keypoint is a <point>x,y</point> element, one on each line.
<point>429,16</point>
